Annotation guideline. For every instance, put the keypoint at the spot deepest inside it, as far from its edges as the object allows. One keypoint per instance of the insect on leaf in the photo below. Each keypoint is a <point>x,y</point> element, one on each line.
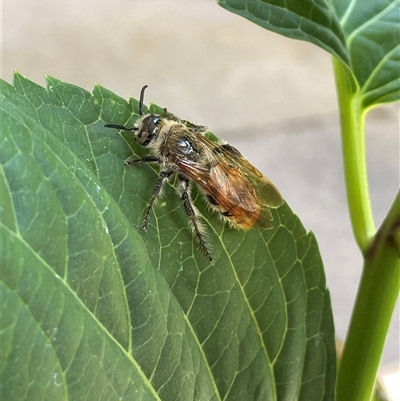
<point>93,308</point>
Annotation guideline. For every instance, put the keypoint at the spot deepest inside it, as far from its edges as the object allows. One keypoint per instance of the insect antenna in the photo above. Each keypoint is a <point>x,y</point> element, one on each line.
<point>141,100</point>
<point>116,126</point>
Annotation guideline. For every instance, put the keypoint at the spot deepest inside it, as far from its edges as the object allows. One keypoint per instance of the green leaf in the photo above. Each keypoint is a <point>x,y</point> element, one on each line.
<point>363,35</point>
<point>94,309</point>
<point>373,39</point>
<point>308,20</point>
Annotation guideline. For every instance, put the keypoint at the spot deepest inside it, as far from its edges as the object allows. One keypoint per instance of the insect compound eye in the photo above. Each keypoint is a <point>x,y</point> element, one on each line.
<point>148,131</point>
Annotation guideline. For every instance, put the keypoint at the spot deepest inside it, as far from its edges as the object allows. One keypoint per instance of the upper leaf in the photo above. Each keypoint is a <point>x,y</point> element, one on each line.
<point>373,39</point>
<point>312,21</point>
<point>364,35</point>
<point>94,309</point>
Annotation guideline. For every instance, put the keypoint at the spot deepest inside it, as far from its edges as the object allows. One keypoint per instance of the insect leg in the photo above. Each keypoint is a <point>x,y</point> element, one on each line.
<point>145,159</point>
<point>163,177</point>
<point>191,212</point>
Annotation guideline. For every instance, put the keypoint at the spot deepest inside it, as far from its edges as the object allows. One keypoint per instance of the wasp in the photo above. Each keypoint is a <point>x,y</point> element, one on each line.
<point>231,186</point>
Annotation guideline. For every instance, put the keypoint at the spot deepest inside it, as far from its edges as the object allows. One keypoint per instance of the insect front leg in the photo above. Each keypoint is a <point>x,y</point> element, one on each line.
<point>192,213</point>
<point>145,159</point>
<point>162,178</point>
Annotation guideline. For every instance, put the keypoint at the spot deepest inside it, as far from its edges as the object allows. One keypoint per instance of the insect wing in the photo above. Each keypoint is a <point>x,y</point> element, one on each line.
<point>240,191</point>
<point>267,193</point>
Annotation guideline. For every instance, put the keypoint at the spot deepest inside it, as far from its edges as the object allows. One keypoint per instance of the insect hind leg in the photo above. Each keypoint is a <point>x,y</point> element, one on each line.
<point>191,212</point>
<point>162,178</point>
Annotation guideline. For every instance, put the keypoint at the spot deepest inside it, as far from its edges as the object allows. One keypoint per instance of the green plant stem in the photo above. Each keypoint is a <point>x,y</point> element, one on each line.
<point>379,284</point>
<point>376,298</point>
<point>353,144</point>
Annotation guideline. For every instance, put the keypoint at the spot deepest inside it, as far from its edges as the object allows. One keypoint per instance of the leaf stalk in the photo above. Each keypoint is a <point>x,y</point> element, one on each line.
<point>353,147</point>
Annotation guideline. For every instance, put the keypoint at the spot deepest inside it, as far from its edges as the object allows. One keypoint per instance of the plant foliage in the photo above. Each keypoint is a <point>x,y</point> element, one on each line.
<point>94,309</point>
<point>363,35</point>
<point>364,38</point>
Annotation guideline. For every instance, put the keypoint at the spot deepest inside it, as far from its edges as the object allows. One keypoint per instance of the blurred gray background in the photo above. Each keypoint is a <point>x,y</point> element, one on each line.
<point>273,98</point>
